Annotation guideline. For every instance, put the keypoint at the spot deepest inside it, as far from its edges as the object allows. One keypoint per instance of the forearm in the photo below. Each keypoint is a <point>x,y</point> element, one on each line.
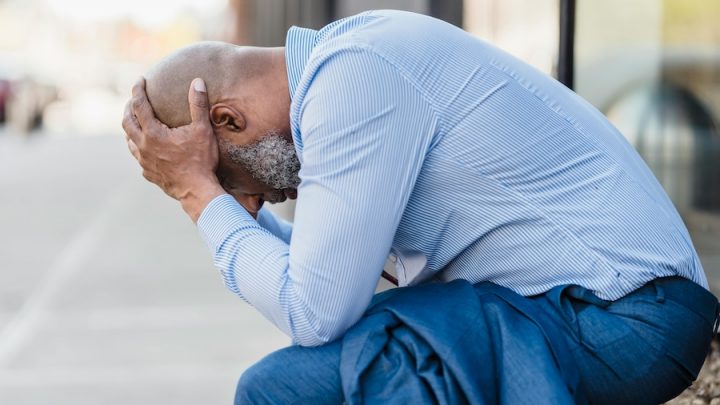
<point>252,262</point>
<point>307,297</point>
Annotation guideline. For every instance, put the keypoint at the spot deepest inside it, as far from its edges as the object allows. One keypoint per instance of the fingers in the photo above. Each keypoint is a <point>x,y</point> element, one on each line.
<point>133,149</point>
<point>199,105</point>
<point>141,108</point>
<point>129,123</point>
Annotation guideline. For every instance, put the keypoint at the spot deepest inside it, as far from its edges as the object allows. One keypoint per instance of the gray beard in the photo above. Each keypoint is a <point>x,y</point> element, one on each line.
<point>271,160</point>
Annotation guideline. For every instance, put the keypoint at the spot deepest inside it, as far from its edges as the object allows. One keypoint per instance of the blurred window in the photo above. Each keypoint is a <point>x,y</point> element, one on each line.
<point>653,67</point>
<point>528,29</point>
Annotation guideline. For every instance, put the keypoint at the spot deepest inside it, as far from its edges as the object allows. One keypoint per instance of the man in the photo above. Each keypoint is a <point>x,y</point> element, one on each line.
<point>543,261</point>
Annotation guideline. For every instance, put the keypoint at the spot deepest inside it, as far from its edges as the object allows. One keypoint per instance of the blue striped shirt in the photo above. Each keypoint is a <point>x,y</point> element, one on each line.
<point>415,137</point>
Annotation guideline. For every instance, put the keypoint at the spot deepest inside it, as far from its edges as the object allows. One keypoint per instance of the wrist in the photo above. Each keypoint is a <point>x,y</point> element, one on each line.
<point>195,199</point>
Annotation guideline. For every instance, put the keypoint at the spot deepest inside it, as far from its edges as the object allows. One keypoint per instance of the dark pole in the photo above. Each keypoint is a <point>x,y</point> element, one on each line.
<point>566,51</point>
<point>448,10</point>
<point>331,10</point>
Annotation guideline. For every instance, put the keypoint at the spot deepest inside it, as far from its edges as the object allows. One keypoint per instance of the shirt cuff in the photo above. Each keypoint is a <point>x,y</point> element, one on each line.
<point>222,217</point>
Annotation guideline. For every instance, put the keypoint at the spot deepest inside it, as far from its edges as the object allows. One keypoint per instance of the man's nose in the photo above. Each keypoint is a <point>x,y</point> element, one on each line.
<point>275,196</point>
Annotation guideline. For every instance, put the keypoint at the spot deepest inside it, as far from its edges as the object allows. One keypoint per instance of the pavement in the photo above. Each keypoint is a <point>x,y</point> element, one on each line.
<point>107,293</point>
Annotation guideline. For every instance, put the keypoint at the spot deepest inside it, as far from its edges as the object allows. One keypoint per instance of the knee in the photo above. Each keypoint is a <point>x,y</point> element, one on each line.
<point>255,385</point>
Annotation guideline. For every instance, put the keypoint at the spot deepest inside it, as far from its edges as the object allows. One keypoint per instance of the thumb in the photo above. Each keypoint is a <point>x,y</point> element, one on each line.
<point>198,100</point>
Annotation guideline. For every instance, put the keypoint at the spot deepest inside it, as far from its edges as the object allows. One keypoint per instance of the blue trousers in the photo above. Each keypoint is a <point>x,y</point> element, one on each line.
<point>644,348</point>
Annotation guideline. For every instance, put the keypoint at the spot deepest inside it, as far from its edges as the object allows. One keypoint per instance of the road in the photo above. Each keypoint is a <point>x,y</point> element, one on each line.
<point>107,293</point>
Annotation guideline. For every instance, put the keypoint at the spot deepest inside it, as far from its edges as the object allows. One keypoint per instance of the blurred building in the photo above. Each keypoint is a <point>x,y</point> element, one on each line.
<point>66,66</point>
<point>265,22</point>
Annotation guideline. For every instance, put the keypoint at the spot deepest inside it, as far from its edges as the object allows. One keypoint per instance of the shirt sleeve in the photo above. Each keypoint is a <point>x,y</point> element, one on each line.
<point>276,225</point>
<point>365,131</point>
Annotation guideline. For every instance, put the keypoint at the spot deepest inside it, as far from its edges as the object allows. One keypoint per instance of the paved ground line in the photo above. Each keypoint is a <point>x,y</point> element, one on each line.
<point>21,326</point>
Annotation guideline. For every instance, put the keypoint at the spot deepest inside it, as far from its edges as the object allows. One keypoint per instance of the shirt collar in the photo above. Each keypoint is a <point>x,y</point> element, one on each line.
<point>298,46</point>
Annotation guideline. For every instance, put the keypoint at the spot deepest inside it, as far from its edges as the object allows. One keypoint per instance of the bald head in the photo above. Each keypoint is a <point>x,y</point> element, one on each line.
<point>247,90</point>
<point>219,64</point>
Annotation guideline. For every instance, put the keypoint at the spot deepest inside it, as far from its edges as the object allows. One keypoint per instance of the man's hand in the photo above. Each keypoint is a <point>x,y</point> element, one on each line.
<point>181,161</point>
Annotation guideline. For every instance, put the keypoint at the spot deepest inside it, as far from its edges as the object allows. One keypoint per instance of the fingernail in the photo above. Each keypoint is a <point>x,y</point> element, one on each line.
<point>199,85</point>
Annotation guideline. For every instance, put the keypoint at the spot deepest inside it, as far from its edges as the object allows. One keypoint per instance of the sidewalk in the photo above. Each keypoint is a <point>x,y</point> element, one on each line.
<point>107,293</point>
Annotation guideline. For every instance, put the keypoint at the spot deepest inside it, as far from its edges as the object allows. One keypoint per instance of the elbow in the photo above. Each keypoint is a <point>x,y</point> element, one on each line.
<point>315,322</point>
<point>311,341</point>
<point>320,333</point>
<point>314,339</point>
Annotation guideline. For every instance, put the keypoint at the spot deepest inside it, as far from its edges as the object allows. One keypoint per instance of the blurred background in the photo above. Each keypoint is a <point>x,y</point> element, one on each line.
<point>107,293</point>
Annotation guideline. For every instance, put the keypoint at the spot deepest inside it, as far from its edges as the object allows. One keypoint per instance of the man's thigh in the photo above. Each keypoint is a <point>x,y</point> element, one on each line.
<point>308,375</point>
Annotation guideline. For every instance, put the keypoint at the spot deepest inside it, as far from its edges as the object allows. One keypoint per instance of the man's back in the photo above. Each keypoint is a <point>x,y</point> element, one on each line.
<point>521,182</point>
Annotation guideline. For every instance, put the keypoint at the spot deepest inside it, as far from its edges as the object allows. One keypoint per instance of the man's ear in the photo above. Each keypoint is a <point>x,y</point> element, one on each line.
<point>226,116</point>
